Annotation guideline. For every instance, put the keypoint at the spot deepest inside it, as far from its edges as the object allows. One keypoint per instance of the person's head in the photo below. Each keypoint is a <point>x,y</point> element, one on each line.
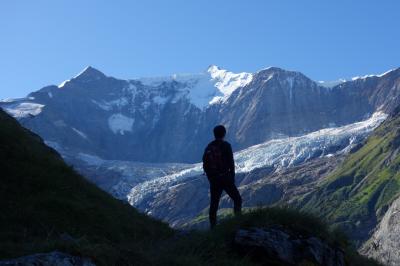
<point>219,132</point>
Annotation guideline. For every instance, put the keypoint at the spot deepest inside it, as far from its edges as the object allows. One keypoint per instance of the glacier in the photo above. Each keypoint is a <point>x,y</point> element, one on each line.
<point>290,151</point>
<point>127,173</point>
<point>24,109</point>
<point>280,153</point>
<point>119,123</point>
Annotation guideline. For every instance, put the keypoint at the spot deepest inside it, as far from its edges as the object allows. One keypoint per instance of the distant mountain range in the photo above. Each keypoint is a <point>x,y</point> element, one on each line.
<point>170,119</point>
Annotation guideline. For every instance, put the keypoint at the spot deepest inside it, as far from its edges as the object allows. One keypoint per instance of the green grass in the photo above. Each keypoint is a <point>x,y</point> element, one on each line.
<point>215,247</point>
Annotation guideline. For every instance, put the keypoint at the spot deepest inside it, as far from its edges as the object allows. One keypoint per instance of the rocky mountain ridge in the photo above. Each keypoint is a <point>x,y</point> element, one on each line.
<point>169,119</point>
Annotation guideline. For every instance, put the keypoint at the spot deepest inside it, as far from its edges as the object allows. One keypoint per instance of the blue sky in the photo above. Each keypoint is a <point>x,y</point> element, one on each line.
<point>46,42</point>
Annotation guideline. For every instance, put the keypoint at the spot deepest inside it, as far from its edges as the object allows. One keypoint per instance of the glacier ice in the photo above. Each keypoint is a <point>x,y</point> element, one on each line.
<point>284,152</point>
<point>120,123</point>
<point>24,109</point>
<point>289,151</point>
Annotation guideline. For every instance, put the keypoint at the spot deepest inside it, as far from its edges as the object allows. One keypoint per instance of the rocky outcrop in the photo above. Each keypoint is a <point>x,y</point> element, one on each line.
<point>384,245</point>
<point>278,245</point>
<point>48,259</point>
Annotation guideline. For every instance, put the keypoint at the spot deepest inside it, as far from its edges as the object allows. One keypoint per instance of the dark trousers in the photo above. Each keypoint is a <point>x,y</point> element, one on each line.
<point>217,186</point>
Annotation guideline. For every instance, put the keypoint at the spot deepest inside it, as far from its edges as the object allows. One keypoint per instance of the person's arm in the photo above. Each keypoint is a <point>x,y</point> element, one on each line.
<point>231,160</point>
<point>204,157</point>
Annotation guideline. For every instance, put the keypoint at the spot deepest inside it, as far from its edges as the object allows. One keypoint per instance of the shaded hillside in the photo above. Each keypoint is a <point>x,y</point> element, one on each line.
<point>358,193</point>
<point>45,205</point>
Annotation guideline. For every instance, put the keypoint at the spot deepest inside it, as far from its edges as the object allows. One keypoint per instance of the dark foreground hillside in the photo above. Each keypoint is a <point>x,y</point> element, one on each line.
<point>45,206</point>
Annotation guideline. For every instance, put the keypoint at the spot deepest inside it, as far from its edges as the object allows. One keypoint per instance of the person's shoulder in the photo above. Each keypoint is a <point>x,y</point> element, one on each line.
<point>224,143</point>
<point>227,144</point>
<point>210,144</point>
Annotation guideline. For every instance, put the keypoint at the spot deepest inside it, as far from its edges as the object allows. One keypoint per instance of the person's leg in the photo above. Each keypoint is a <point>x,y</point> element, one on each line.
<point>232,191</point>
<point>215,195</point>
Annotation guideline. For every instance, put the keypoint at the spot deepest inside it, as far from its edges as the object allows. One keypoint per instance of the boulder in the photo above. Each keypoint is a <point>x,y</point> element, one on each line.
<point>278,245</point>
<point>54,258</point>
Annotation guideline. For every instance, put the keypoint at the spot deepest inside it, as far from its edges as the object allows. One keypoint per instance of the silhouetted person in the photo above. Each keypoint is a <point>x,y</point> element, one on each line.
<point>219,166</point>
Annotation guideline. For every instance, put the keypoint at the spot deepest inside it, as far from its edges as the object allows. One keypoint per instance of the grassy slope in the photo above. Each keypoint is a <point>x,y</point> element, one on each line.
<point>41,198</point>
<point>214,245</point>
<point>357,194</point>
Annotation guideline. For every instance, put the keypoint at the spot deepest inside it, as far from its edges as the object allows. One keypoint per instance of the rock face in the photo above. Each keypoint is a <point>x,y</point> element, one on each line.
<point>48,259</point>
<point>384,245</point>
<point>170,119</point>
<point>277,245</point>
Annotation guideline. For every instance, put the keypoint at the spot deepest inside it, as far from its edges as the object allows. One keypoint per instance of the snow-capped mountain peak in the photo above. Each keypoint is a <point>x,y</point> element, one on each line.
<point>90,73</point>
<point>227,82</point>
<point>181,109</point>
<point>375,75</point>
<point>332,83</point>
<point>212,86</point>
<point>213,68</point>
